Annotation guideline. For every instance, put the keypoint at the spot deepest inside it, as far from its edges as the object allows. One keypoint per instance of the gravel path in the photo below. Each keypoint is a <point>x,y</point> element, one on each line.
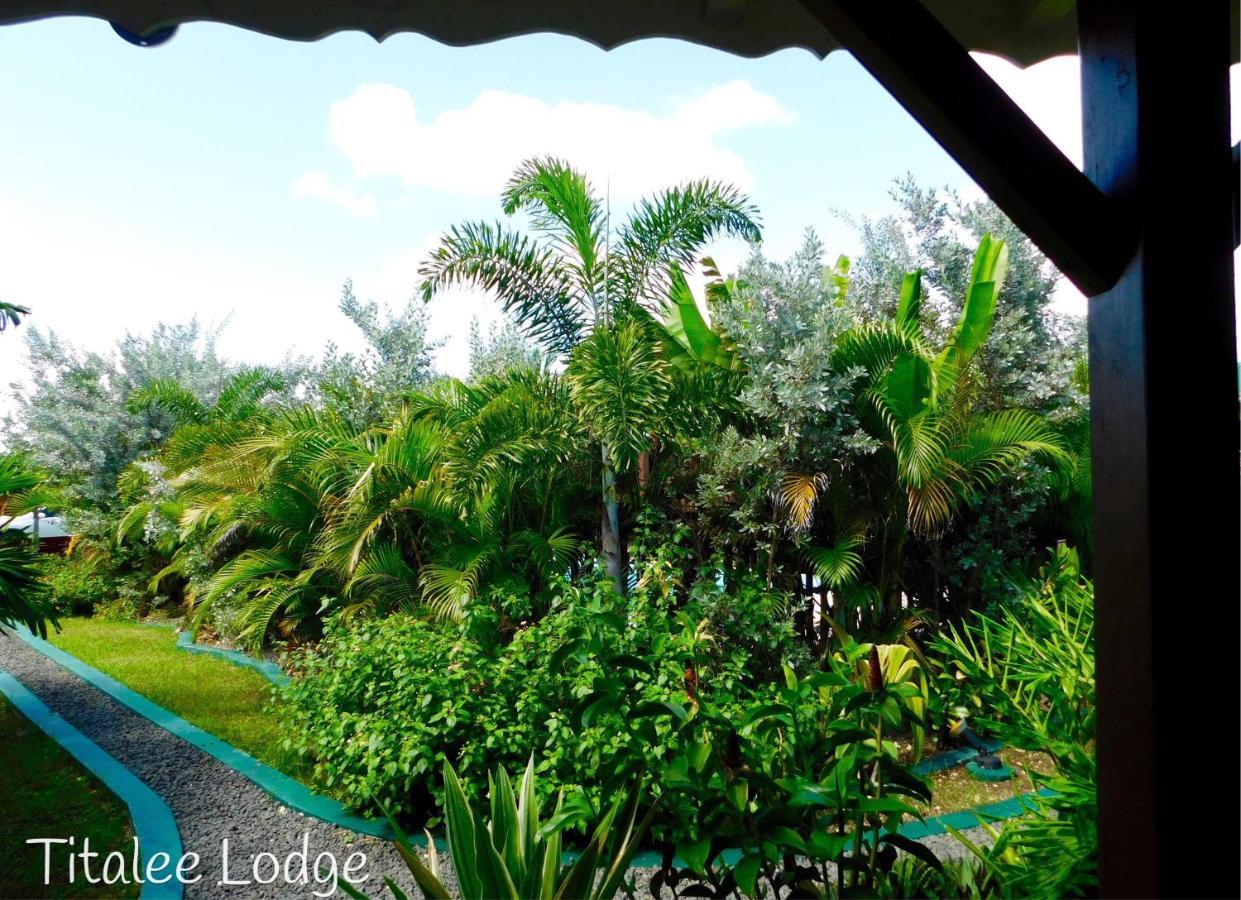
<point>212,803</point>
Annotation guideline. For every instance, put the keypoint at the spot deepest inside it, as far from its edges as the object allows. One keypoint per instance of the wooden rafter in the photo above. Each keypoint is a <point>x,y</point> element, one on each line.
<point>929,73</point>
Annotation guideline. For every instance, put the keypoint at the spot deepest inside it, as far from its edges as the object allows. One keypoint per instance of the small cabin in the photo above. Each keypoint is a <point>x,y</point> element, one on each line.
<point>53,537</point>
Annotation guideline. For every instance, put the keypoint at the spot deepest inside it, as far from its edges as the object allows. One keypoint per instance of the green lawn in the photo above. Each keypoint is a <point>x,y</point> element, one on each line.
<point>230,702</point>
<point>47,794</point>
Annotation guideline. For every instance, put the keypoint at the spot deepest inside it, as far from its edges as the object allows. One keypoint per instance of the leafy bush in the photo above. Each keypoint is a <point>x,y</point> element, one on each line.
<point>76,584</point>
<point>383,704</point>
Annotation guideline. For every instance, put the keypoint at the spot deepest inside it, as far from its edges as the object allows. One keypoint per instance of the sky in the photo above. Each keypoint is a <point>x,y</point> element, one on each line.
<point>242,179</point>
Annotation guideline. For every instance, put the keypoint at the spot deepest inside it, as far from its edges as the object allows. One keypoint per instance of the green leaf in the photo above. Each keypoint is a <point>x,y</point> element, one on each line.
<point>745,872</point>
<point>660,708</point>
<point>978,311</point>
<point>885,805</point>
<point>462,843</point>
<point>787,837</point>
<point>909,309</point>
<point>629,661</point>
<point>908,386</point>
<point>916,848</point>
<point>695,854</point>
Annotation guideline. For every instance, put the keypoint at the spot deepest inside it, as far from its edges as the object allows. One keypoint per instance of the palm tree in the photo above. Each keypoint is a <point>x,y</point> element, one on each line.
<point>11,314</point>
<point>256,508</point>
<point>937,451</point>
<point>472,485</point>
<point>573,283</point>
<point>21,600</point>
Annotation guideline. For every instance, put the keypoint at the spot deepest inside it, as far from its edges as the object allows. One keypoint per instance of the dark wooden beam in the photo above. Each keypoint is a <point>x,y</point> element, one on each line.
<point>929,73</point>
<point>1164,417</point>
<point>1236,196</point>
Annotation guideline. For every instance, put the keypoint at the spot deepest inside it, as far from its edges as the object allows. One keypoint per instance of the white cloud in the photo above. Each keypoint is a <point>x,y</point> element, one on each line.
<point>320,187</point>
<point>473,150</point>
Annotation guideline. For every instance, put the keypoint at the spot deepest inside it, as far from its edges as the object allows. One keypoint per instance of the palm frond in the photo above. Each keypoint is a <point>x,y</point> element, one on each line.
<point>170,397</point>
<point>622,388</point>
<point>670,229</point>
<point>564,208</point>
<point>840,564</point>
<point>530,282</point>
<point>797,496</point>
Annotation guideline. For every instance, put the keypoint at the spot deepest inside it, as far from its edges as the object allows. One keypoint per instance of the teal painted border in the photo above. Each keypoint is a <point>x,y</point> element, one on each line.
<point>951,758</point>
<point>154,825</point>
<point>269,670</point>
<point>972,818</point>
<point>289,791</point>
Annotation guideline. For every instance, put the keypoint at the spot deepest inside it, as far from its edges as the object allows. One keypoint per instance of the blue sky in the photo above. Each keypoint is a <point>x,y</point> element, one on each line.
<point>237,176</point>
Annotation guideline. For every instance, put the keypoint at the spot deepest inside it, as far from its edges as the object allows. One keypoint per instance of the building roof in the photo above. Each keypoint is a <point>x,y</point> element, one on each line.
<point>1025,31</point>
<point>49,526</point>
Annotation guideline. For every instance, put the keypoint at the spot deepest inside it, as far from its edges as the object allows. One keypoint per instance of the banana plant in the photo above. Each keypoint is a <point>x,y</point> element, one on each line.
<point>685,333</point>
<point>938,452</point>
<point>516,855</point>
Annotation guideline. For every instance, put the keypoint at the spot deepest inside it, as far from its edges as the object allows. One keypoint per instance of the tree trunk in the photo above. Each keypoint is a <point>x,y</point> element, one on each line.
<point>610,526</point>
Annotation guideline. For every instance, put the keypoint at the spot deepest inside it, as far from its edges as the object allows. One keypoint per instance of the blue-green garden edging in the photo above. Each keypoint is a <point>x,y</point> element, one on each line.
<point>952,758</point>
<point>269,670</point>
<point>972,818</point>
<point>289,791</point>
<point>297,796</point>
<point>154,825</point>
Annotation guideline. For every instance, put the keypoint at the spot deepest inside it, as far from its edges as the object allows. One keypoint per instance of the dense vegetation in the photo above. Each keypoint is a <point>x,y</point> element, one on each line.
<point>717,557</point>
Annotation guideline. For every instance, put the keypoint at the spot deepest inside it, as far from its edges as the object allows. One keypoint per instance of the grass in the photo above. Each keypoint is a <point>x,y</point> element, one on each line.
<point>955,789</point>
<point>228,701</point>
<point>49,795</point>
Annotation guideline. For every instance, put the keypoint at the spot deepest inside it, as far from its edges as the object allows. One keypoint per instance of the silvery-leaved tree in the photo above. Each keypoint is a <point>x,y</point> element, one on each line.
<point>579,286</point>
<point>937,449</point>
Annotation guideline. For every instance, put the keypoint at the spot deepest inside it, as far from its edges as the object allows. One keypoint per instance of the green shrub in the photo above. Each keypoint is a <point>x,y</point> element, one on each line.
<point>383,704</point>
<point>76,584</point>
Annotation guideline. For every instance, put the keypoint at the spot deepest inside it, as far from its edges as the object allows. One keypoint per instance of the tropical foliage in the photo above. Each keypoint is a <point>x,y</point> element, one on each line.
<point>22,601</point>
<point>740,545</point>
<point>578,291</point>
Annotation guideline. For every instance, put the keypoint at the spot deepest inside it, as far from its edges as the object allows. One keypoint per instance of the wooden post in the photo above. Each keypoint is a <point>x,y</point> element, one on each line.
<point>1165,442</point>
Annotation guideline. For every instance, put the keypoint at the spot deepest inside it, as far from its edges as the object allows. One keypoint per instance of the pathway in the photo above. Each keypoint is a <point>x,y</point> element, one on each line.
<point>210,802</point>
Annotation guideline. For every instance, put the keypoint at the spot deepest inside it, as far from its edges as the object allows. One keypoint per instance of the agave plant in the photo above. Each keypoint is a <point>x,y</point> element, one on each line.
<point>516,855</point>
